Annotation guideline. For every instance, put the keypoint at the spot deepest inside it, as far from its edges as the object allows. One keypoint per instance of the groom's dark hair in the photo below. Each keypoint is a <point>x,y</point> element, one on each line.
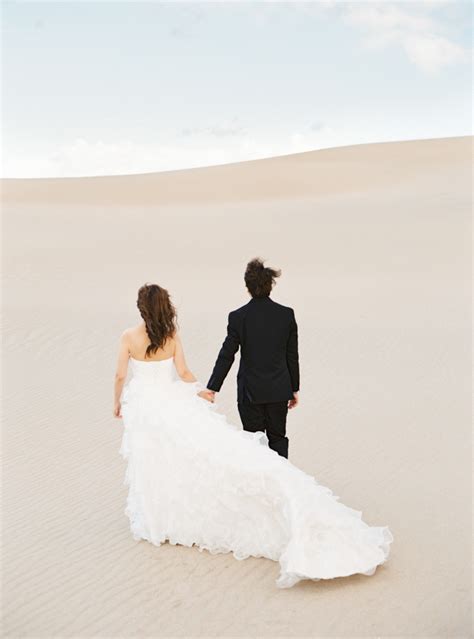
<point>260,279</point>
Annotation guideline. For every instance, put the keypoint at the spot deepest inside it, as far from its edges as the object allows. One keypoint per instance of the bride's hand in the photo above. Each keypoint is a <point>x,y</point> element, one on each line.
<point>117,410</point>
<point>207,395</point>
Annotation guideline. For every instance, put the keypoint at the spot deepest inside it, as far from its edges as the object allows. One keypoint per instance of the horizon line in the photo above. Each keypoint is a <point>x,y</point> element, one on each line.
<point>240,162</point>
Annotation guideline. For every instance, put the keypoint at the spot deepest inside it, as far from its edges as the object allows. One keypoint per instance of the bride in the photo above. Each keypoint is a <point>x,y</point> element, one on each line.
<point>195,479</point>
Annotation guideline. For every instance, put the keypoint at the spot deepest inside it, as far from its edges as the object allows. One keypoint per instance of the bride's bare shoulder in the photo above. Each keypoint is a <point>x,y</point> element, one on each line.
<point>125,334</point>
<point>131,334</point>
<point>134,330</point>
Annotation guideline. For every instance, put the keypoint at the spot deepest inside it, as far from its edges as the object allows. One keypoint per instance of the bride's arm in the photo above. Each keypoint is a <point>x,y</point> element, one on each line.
<point>180,362</point>
<point>121,372</point>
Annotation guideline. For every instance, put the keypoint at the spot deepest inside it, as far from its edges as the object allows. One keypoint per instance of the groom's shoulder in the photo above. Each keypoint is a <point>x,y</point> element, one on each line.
<point>275,306</point>
<point>238,312</point>
<point>283,309</point>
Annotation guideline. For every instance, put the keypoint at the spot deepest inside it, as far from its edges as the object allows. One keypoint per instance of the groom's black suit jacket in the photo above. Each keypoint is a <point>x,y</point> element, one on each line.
<point>267,335</point>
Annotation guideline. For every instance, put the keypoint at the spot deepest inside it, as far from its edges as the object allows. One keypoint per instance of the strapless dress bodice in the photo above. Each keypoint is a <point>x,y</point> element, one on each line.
<point>154,371</point>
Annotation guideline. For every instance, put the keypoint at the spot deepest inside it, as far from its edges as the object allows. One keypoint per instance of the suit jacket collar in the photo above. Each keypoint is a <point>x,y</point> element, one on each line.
<point>260,300</point>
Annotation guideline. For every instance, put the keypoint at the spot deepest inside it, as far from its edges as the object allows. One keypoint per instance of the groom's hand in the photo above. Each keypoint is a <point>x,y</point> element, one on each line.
<point>208,395</point>
<point>293,402</point>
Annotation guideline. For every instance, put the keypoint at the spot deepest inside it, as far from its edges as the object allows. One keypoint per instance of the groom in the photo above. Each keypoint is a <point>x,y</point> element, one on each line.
<point>268,377</point>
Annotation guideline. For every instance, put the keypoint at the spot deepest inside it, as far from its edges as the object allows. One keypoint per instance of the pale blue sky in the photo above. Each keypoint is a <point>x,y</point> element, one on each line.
<point>92,88</point>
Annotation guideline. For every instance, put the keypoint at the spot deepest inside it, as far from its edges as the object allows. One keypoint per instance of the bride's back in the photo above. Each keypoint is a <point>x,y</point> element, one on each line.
<point>139,341</point>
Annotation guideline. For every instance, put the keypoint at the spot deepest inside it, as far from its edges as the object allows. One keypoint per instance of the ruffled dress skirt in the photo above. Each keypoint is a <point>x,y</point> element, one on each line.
<point>195,479</point>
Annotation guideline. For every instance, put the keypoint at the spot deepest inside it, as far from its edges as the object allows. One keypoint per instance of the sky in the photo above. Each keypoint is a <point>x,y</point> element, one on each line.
<point>104,88</point>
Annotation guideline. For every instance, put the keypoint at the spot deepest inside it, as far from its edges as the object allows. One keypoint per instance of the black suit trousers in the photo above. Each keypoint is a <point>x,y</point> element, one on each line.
<point>271,419</point>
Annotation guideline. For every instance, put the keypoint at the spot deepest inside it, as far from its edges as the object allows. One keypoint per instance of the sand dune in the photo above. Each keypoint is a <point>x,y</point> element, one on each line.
<point>315,173</point>
<point>373,244</point>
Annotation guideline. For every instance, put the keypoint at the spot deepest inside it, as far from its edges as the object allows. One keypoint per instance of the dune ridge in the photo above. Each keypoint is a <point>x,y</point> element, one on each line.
<point>305,174</point>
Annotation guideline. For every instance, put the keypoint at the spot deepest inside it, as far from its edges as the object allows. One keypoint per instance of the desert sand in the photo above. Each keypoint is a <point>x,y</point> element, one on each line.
<point>373,242</point>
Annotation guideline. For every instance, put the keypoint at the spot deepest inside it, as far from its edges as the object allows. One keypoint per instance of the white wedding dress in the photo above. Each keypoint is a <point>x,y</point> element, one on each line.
<point>193,478</point>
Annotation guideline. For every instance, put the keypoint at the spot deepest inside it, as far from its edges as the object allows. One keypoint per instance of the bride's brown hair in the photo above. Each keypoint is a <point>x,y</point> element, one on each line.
<point>159,315</point>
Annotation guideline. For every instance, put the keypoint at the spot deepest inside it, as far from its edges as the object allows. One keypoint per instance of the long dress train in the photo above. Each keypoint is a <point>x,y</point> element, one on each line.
<point>195,479</point>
